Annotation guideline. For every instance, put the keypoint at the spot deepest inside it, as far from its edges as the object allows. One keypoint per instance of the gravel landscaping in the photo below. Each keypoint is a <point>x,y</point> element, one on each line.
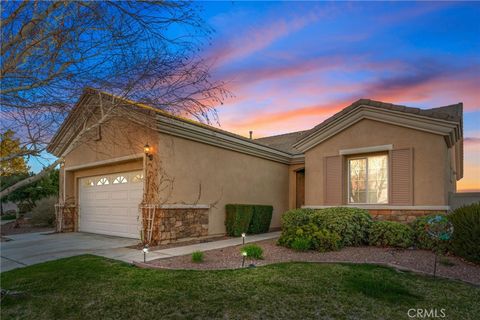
<point>415,260</point>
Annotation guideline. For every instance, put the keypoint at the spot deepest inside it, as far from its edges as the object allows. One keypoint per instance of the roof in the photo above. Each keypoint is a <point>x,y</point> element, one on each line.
<point>452,112</point>
<point>282,142</point>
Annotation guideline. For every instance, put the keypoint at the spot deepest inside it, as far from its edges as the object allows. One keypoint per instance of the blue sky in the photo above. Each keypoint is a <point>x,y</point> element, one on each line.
<point>291,65</point>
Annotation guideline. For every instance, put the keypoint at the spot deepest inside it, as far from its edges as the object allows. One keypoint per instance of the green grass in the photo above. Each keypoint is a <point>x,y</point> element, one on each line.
<point>89,287</point>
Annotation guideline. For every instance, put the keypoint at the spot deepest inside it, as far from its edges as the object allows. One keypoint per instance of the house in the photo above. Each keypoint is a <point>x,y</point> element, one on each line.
<point>134,171</point>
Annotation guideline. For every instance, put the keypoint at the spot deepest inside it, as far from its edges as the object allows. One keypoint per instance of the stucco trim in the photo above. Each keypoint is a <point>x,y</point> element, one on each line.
<point>105,162</point>
<point>386,147</point>
<point>184,206</point>
<point>205,135</point>
<point>382,207</point>
<point>448,129</point>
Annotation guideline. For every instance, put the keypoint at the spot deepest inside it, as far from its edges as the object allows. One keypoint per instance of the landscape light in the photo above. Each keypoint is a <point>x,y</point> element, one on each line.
<point>145,251</point>
<point>244,255</point>
<point>243,237</point>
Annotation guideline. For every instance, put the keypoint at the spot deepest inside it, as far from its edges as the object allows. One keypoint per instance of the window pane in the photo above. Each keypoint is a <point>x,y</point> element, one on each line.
<point>357,188</point>
<point>378,179</point>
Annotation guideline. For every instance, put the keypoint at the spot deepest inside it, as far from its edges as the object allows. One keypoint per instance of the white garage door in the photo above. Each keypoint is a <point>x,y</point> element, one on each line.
<point>109,204</point>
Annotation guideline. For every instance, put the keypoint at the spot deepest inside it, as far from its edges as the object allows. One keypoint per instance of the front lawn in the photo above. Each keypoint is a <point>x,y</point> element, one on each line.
<point>89,287</point>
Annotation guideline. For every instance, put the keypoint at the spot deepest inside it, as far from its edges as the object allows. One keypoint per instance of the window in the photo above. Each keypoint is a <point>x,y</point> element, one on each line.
<point>88,183</point>
<point>120,179</point>
<point>368,180</point>
<point>103,181</point>
<point>137,178</point>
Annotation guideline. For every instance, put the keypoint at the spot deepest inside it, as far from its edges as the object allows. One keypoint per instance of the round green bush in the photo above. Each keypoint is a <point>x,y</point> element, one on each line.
<point>466,232</point>
<point>253,251</point>
<point>423,240</point>
<point>351,224</point>
<point>197,256</point>
<point>291,221</point>
<point>391,234</point>
<point>324,240</point>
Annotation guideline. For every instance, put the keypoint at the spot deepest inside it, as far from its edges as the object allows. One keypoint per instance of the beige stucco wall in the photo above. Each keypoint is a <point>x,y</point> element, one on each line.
<point>204,174</point>
<point>431,166</point>
<point>119,139</point>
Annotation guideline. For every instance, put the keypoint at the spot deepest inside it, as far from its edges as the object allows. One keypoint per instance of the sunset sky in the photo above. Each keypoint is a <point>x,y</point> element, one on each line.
<point>292,65</point>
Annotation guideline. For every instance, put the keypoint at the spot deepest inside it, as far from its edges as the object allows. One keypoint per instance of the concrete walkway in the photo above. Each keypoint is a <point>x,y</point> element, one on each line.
<point>31,248</point>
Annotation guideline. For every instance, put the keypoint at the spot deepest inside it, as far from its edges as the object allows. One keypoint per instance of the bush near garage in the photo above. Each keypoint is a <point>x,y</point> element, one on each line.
<point>238,217</point>
<point>261,219</point>
<point>43,214</point>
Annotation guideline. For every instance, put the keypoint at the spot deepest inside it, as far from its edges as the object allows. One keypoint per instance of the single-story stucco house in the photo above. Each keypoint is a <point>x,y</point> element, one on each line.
<point>134,171</point>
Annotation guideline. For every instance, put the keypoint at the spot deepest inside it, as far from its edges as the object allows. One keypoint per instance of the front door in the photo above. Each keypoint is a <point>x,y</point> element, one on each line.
<point>300,188</point>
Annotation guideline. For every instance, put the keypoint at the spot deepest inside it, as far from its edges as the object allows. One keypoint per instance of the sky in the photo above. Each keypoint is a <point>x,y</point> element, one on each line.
<point>291,65</point>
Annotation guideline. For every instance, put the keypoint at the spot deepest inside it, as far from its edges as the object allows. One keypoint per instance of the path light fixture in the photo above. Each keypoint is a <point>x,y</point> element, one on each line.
<point>148,151</point>
<point>244,255</point>
<point>243,238</point>
<point>145,251</point>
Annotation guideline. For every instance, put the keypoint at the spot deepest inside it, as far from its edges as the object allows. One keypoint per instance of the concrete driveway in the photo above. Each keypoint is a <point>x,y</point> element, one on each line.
<point>31,248</point>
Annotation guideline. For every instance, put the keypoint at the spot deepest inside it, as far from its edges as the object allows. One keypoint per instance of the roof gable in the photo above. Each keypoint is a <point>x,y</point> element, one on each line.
<point>445,121</point>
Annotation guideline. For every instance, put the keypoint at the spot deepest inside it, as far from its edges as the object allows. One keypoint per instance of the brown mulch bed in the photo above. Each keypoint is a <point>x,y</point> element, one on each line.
<point>415,260</point>
<point>23,227</point>
<point>180,243</point>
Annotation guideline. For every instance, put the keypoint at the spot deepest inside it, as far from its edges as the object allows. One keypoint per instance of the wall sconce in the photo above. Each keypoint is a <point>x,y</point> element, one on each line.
<point>148,151</point>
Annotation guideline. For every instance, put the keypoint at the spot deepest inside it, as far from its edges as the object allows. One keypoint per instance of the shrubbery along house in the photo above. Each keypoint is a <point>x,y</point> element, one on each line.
<point>133,171</point>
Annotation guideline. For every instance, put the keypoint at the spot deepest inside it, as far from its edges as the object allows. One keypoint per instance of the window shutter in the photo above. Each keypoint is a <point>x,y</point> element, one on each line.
<point>402,177</point>
<point>333,180</point>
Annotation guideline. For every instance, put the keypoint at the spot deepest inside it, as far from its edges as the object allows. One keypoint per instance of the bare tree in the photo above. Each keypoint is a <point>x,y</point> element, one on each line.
<point>143,51</point>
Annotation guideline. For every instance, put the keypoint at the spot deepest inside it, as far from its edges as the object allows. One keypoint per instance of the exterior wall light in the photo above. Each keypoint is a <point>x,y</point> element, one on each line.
<point>145,251</point>
<point>148,151</point>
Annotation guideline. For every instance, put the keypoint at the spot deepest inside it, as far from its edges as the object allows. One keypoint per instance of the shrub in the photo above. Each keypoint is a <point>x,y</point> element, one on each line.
<point>197,256</point>
<point>466,232</point>
<point>351,224</point>
<point>9,216</point>
<point>261,219</point>
<point>238,217</point>
<point>253,251</point>
<point>389,233</point>
<point>43,214</point>
<point>324,240</point>
<point>291,220</point>
<point>423,240</point>
<point>301,244</point>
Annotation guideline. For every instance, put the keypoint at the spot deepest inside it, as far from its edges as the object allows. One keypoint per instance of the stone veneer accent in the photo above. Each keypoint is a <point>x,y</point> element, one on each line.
<point>172,224</point>
<point>404,216</point>
<point>65,218</point>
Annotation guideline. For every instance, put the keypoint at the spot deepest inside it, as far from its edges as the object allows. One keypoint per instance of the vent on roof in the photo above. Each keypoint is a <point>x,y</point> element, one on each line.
<point>251,134</point>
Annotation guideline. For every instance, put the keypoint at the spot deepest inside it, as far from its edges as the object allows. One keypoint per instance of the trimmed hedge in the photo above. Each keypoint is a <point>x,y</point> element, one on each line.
<point>391,234</point>
<point>350,225</point>
<point>247,218</point>
<point>421,237</point>
<point>261,219</point>
<point>466,232</point>
<point>238,217</point>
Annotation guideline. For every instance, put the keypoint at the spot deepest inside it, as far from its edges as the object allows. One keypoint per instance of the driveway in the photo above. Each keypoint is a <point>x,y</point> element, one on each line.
<point>31,248</point>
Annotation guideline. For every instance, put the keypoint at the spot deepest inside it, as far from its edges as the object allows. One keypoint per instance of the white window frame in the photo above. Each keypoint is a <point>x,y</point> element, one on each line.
<point>366,180</point>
